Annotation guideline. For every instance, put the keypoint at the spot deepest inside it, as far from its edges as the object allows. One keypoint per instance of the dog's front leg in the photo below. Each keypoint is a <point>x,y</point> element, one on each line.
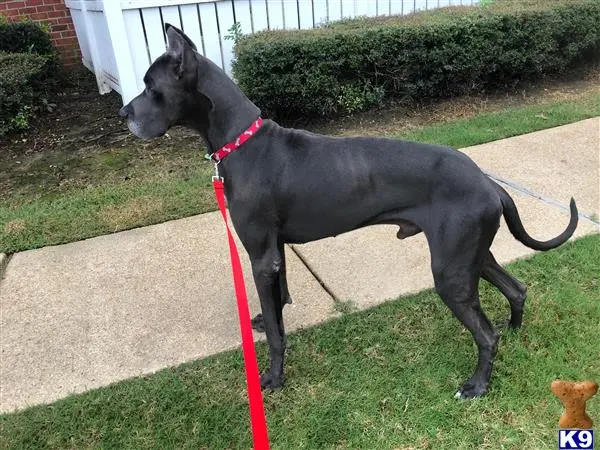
<point>266,269</point>
<point>283,286</point>
<point>258,322</point>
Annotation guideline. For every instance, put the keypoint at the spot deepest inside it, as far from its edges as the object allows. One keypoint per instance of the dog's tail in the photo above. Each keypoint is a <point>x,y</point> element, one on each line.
<point>511,215</point>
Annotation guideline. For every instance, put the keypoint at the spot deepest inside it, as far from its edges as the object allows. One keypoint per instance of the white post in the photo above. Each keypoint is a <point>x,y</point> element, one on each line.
<point>120,46</point>
<point>103,88</point>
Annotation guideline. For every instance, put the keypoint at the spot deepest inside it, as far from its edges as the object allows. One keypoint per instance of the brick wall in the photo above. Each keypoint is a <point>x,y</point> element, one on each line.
<point>53,13</point>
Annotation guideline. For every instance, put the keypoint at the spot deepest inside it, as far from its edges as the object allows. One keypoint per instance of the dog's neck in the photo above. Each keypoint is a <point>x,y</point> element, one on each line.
<point>229,113</point>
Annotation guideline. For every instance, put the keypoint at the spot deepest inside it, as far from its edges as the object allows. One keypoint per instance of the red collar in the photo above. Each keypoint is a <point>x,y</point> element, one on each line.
<point>233,146</point>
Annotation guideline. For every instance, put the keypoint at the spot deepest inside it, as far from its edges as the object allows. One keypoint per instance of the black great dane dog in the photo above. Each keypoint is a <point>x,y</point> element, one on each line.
<point>291,186</point>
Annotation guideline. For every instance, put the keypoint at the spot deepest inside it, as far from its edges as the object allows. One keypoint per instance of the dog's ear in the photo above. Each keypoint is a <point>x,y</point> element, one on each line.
<point>174,33</point>
<point>180,47</point>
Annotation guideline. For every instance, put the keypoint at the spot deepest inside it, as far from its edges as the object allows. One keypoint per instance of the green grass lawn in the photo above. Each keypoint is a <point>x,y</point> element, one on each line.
<point>110,207</point>
<point>380,378</point>
<point>510,122</point>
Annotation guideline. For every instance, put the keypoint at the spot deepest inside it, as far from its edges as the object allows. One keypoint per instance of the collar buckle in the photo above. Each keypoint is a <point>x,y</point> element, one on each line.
<point>216,176</point>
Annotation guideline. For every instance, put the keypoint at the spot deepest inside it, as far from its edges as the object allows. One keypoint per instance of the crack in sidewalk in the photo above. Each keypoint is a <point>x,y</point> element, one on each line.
<point>526,191</point>
<point>312,271</point>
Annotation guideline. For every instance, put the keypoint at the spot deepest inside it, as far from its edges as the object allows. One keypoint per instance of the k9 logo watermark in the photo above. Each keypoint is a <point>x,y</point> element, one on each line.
<point>575,439</point>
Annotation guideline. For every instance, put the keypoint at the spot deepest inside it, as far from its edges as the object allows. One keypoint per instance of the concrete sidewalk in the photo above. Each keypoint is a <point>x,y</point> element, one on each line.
<point>86,314</point>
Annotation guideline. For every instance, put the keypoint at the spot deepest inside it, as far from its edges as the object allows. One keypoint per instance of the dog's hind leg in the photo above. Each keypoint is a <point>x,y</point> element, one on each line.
<point>459,292</point>
<point>457,252</point>
<point>258,321</point>
<point>514,291</point>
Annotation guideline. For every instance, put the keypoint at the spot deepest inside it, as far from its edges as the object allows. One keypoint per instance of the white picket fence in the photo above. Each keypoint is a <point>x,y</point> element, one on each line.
<point>120,38</point>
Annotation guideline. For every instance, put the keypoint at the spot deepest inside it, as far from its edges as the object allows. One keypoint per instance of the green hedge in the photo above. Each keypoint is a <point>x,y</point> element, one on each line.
<point>29,71</point>
<point>25,37</point>
<point>22,84</point>
<point>354,64</point>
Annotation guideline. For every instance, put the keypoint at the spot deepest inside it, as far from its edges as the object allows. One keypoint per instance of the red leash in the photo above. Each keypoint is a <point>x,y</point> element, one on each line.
<point>257,410</point>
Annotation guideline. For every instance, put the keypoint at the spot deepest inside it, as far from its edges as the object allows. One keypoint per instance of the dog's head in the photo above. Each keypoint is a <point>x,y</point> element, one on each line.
<point>170,92</point>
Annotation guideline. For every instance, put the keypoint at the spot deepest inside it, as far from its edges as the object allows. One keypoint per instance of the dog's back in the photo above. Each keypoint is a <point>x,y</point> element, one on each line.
<point>321,185</point>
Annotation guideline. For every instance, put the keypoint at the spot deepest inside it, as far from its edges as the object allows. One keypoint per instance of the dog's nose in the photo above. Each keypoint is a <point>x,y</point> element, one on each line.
<point>124,111</point>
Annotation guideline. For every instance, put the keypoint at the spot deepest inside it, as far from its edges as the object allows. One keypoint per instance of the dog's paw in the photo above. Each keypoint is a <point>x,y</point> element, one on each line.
<point>270,382</point>
<point>514,323</point>
<point>471,390</point>
<point>258,323</point>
